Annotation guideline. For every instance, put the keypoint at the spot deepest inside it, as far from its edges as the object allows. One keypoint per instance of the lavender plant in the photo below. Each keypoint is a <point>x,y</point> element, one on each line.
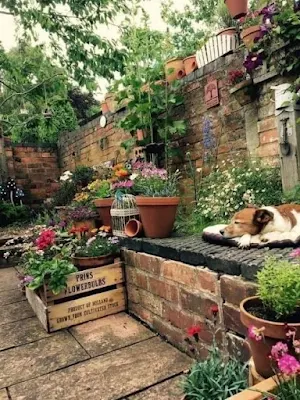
<point>82,213</point>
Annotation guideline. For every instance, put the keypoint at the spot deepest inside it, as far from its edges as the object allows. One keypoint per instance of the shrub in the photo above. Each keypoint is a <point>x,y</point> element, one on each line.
<point>215,379</point>
<point>65,194</point>
<point>279,286</point>
<point>293,195</point>
<point>225,191</point>
<point>11,214</point>
<point>83,175</point>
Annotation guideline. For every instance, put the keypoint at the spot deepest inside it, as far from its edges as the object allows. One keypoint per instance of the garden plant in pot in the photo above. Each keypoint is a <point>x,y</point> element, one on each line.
<point>101,192</point>
<point>252,29</point>
<point>275,312</point>
<point>96,251</point>
<point>83,216</point>
<point>227,24</point>
<point>157,199</point>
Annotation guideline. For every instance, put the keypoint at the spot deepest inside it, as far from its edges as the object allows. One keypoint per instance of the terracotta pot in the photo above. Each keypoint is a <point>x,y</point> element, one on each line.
<point>190,64</point>
<point>157,215</point>
<point>104,107</point>
<point>237,8</point>
<point>133,228</point>
<point>174,69</point>
<point>92,262</point>
<point>227,32</point>
<point>103,207</point>
<point>249,35</point>
<point>273,333</point>
<point>140,134</point>
<point>110,101</point>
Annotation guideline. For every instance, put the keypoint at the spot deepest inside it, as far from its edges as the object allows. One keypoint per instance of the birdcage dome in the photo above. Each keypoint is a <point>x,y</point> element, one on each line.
<point>123,209</point>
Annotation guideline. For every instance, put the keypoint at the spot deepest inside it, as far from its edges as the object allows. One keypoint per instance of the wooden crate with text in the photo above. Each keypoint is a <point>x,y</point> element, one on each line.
<point>89,294</point>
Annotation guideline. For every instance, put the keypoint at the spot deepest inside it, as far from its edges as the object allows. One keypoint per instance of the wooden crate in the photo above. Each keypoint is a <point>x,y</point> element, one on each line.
<point>90,294</point>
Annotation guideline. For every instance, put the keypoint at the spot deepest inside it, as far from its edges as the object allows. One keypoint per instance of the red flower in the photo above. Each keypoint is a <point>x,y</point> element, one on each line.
<point>45,239</point>
<point>194,330</point>
<point>83,229</point>
<point>214,309</point>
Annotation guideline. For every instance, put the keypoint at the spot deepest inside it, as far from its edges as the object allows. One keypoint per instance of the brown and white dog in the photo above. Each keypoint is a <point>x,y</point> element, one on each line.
<point>266,224</point>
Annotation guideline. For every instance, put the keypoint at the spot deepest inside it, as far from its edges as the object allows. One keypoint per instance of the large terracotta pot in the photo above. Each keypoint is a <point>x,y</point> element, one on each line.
<point>157,215</point>
<point>273,333</point>
<point>190,64</point>
<point>103,207</point>
<point>248,35</point>
<point>237,8</point>
<point>174,69</point>
<point>83,263</point>
<point>227,32</point>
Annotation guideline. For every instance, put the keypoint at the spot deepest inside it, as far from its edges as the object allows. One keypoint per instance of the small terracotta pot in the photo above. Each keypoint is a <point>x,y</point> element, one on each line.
<point>83,263</point>
<point>157,215</point>
<point>140,134</point>
<point>133,228</point>
<point>110,101</point>
<point>237,8</point>
<point>190,64</point>
<point>103,207</point>
<point>273,333</point>
<point>227,32</point>
<point>104,107</point>
<point>174,69</point>
<point>250,34</point>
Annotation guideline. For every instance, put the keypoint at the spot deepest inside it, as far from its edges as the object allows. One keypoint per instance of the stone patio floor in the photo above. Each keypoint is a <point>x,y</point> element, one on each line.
<point>108,359</point>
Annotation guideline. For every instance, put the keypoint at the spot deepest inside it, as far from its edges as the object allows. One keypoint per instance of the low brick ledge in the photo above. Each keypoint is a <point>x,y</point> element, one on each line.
<point>195,251</point>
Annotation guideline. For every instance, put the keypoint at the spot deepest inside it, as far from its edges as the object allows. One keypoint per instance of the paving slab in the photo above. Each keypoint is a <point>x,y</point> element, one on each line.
<point>21,332</point>
<point>11,296</point>
<point>110,333</point>
<point>112,376</point>
<point>8,279</point>
<point>39,358</point>
<point>3,395</point>
<point>15,312</point>
<point>169,390</point>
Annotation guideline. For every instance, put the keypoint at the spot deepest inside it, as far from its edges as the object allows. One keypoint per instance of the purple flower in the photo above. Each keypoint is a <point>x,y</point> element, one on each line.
<point>252,61</point>
<point>268,12</point>
<point>62,224</point>
<point>51,222</point>
<point>123,185</point>
<point>28,279</point>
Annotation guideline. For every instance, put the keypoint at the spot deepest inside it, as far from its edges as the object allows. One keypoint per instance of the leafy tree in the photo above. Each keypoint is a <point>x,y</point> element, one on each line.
<point>72,27</point>
<point>84,104</point>
<point>43,110</point>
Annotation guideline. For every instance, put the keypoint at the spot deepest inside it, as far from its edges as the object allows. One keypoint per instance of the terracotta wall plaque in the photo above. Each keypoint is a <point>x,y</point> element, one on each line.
<point>211,94</point>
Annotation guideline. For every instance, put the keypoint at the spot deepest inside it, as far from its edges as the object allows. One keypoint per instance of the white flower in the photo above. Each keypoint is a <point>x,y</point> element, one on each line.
<point>199,169</point>
<point>40,252</point>
<point>6,255</point>
<point>133,177</point>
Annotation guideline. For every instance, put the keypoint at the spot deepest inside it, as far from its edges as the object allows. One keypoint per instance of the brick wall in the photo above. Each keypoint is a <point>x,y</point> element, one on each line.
<point>171,296</point>
<point>35,170</point>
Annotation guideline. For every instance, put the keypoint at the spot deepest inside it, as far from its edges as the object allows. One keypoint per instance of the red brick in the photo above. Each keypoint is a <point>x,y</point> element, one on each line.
<point>199,303</point>
<point>141,313</point>
<point>206,280</point>
<point>150,302</point>
<point>142,280</point>
<point>266,124</point>
<point>148,263</point>
<point>238,348</point>
<point>232,320</point>
<point>173,335</point>
<point>269,137</point>
<point>235,289</point>
<point>164,290</point>
<point>179,272</point>
<point>129,257</point>
<point>133,293</point>
<point>268,150</point>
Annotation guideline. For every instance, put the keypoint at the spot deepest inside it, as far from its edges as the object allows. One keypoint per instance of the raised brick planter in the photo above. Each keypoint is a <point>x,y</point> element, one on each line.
<point>172,283</point>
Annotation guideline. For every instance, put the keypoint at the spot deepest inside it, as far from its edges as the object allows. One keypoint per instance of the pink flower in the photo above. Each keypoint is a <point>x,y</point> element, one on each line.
<point>288,365</point>
<point>295,253</point>
<point>279,350</point>
<point>255,333</point>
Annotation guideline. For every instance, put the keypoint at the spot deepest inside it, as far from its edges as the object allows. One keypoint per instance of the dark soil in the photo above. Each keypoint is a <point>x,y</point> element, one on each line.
<point>267,314</point>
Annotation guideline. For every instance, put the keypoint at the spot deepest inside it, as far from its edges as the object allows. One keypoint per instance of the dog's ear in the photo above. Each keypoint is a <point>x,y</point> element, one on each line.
<point>262,217</point>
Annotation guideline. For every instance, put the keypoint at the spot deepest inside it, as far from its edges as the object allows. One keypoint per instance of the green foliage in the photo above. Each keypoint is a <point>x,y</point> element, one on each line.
<point>11,214</point>
<point>215,379</point>
<point>155,186</point>
<point>53,272</point>
<point>96,247</point>
<point>279,286</point>
<point>100,189</point>
<point>83,175</point>
<point>65,194</point>
<point>225,191</point>
<point>286,390</point>
<point>292,196</point>
<point>84,104</point>
<point>224,19</point>
<point>72,27</point>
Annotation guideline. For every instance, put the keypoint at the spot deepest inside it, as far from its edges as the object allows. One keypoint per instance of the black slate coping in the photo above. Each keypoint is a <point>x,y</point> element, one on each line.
<point>195,251</point>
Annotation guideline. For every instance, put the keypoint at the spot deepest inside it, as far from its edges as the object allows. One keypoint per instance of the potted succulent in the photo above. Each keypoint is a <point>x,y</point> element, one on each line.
<point>275,312</point>
<point>102,194</point>
<point>83,216</point>
<point>95,251</point>
<point>157,199</point>
<point>237,8</point>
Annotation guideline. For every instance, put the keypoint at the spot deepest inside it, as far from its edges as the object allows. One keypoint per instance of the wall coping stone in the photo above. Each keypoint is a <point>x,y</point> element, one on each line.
<point>195,251</point>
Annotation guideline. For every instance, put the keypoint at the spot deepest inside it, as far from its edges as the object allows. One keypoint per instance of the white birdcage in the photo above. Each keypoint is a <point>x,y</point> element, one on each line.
<point>123,209</point>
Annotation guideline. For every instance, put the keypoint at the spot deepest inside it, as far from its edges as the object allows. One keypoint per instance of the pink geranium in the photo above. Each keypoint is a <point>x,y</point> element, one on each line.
<point>279,350</point>
<point>288,365</point>
<point>255,333</point>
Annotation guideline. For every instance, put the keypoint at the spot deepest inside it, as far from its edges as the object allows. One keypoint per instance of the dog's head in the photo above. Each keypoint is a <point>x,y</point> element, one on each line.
<point>248,221</point>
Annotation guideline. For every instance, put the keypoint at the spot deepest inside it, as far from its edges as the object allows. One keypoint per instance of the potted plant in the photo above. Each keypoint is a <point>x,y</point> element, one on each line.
<point>174,69</point>
<point>237,8</point>
<point>275,312</point>
<point>251,28</point>
<point>95,251</point>
<point>157,200</point>
<point>225,20</point>
<point>83,216</point>
<point>101,192</point>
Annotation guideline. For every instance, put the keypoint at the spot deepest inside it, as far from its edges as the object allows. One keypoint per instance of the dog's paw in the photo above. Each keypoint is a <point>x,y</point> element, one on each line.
<point>244,242</point>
